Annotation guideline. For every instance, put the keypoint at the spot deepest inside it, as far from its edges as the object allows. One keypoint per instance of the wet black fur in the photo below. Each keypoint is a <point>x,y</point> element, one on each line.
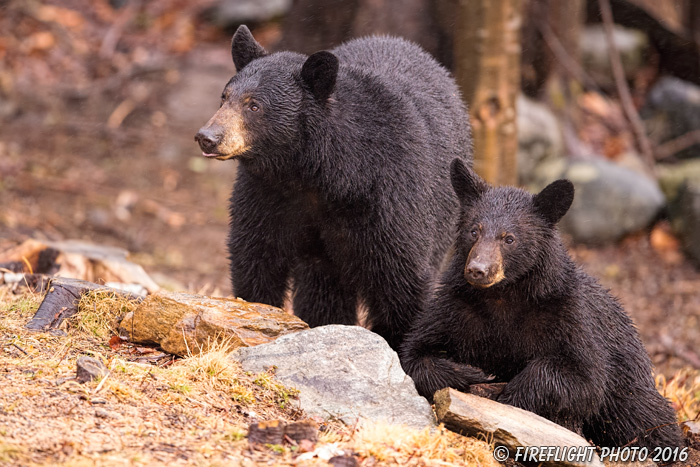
<point>562,343</point>
<point>344,192</point>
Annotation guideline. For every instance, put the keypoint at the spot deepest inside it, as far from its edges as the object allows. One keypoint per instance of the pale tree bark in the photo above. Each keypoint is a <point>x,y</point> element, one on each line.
<point>487,67</point>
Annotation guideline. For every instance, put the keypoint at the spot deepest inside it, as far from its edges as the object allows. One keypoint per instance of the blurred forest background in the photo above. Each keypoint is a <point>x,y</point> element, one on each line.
<point>100,101</point>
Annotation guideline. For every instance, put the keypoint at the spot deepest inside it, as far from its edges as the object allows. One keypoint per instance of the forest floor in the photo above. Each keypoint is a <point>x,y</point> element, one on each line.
<point>153,410</point>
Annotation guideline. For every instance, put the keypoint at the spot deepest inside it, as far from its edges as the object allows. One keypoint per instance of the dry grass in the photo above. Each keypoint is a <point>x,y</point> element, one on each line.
<point>683,390</point>
<point>194,411</point>
<point>397,445</point>
<point>99,313</point>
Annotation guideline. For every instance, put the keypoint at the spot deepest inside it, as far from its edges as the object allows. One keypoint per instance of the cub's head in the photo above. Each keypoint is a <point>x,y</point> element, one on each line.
<point>504,232</point>
<point>260,106</point>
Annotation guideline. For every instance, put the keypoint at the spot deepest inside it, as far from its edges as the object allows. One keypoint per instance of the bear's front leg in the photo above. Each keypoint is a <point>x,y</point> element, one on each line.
<point>260,243</point>
<point>430,350</point>
<point>258,274</point>
<point>321,297</point>
<point>564,392</point>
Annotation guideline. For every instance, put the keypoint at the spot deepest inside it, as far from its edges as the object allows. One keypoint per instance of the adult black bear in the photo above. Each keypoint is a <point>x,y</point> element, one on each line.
<point>342,190</point>
<point>514,305</point>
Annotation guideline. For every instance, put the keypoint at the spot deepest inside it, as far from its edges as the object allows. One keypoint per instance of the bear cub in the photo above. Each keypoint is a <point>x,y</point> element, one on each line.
<point>342,194</point>
<point>512,304</point>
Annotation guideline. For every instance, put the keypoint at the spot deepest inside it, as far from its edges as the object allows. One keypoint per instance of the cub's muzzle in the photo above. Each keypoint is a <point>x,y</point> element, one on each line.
<point>484,266</point>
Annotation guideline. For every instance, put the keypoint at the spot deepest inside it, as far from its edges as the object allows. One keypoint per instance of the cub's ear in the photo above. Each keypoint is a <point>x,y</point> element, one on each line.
<point>467,185</point>
<point>244,48</point>
<point>319,73</point>
<point>553,202</point>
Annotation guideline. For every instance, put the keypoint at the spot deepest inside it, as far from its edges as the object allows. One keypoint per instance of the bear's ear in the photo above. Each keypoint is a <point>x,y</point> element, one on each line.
<point>319,73</point>
<point>467,185</point>
<point>244,48</point>
<point>555,200</point>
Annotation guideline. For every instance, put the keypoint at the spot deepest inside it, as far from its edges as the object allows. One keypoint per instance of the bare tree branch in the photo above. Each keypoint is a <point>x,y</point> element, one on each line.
<point>623,89</point>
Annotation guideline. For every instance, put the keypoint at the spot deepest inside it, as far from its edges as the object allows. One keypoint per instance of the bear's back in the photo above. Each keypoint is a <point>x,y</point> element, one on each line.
<point>392,58</point>
<point>405,69</point>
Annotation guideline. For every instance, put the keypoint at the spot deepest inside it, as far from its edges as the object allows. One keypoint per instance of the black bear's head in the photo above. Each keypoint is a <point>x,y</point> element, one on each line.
<point>506,232</point>
<point>261,105</point>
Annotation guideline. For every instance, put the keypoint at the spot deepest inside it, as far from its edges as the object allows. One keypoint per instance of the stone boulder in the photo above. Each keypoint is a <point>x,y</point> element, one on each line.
<point>610,201</point>
<point>595,52</point>
<point>673,176</point>
<point>539,137</point>
<point>231,13</point>
<point>342,372</point>
<point>686,219</point>
<point>672,109</point>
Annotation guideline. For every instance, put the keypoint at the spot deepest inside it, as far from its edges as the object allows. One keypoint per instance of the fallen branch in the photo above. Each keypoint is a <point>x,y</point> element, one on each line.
<point>670,148</point>
<point>569,65</point>
<point>679,55</point>
<point>622,88</point>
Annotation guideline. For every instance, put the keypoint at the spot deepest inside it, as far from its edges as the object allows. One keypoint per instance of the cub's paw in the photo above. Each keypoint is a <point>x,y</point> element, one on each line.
<point>469,375</point>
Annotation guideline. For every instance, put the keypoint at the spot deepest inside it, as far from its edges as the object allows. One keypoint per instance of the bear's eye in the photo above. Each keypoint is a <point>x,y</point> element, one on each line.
<point>475,232</point>
<point>253,106</point>
<point>509,239</point>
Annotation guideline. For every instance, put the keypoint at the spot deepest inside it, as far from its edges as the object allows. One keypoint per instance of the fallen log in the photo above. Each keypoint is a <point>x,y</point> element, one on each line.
<point>77,259</point>
<point>508,426</point>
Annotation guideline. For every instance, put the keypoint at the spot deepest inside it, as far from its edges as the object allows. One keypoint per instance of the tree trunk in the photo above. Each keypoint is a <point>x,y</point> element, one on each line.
<point>314,25</point>
<point>487,67</point>
<point>693,20</point>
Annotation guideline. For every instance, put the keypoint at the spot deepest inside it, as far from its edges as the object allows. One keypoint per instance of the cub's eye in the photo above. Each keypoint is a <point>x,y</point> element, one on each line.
<point>475,232</point>
<point>509,239</point>
<point>254,107</point>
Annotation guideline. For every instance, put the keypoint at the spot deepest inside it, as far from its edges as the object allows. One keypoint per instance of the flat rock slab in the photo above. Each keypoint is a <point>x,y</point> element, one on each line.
<point>342,372</point>
<point>184,324</point>
<point>507,426</point>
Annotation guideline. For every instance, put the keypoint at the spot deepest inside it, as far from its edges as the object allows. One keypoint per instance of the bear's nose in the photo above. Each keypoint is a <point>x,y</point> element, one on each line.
<point>207,139</point>
<point>477,271</point>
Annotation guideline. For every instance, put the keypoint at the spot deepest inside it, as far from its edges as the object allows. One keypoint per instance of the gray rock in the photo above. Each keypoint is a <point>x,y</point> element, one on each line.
<point>673,176</point>
<point>539,137</point>
<point>610,201</point>
<point>508,426</point>
<point>672,110</point>
<point>88,369</point>
<point>343,372</point>
<point>235,12</point>
<point>595,58</point>
<point>686,218</point>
